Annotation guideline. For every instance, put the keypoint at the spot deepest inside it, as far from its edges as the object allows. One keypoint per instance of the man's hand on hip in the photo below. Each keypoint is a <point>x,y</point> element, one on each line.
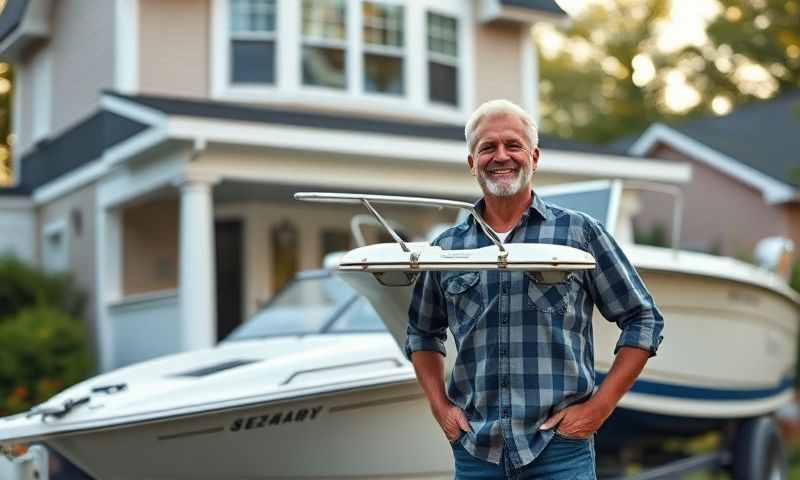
<point>452,420</point>
<point>578,421</point>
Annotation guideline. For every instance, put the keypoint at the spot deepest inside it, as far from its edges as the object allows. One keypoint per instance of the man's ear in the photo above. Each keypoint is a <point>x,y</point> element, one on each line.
<point>535,157</point>
<point>471,164</point>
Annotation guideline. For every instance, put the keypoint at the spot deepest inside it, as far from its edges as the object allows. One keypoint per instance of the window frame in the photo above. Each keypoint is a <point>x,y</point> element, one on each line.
<point>288,88</point>
<point>322,42</point>
<point>444,59</point>
<point>401,52</point>
<point>252,36</point>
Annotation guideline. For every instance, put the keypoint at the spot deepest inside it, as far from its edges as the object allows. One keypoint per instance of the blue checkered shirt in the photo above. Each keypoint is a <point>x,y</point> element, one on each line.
<point>525,347</point>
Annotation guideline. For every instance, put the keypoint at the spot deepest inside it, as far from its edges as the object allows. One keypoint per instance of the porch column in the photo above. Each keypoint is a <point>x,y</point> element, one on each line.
<point>197,274</point>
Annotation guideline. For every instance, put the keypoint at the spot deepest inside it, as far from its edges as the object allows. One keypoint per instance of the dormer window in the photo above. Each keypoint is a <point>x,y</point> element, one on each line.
<point>252,41</point>
<point>442,59</point>
<point>383,48</point>
<point>324,43</point>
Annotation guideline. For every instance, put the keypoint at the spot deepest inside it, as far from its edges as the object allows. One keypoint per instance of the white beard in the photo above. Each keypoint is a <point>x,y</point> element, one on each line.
<point>506,189</point>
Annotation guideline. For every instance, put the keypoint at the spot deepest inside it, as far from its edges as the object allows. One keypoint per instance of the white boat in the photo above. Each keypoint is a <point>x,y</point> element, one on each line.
<point>314,386</point>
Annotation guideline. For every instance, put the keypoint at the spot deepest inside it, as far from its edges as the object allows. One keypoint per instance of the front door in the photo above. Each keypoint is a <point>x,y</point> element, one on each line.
<point>229,253</point>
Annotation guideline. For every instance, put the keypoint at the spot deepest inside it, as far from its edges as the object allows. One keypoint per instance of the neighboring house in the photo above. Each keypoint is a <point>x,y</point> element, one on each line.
<point>745,176</point>
<point>159,141</point>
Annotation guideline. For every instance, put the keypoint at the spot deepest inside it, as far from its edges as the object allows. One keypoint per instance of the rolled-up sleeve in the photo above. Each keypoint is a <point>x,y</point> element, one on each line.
<point>620,294</point>
<point>427,317</point>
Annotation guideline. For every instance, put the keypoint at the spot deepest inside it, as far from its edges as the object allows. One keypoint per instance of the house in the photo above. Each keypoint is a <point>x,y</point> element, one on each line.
<point>159,141</point>
<point>745,175</point>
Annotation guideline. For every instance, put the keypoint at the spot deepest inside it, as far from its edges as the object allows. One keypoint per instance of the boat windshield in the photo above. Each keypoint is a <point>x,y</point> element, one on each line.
<point>312,303</point>
<point>593,198</point>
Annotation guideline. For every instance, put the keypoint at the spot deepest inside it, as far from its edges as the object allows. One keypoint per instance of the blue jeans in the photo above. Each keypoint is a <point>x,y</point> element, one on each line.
<point>562,459</point>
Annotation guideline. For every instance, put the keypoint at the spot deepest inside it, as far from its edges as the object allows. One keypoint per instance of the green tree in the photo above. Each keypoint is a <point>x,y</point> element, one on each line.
<point>589,85</point>
<point>588,89</point>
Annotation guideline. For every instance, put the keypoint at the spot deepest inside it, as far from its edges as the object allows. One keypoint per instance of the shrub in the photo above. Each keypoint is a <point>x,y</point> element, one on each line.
<point>22,286</point>
<point>42,351</point>
<point>43,344</point>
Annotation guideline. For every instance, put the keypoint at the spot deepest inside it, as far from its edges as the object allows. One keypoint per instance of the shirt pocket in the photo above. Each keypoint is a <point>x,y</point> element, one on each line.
<point>549,296</point>
<point>464,299</point>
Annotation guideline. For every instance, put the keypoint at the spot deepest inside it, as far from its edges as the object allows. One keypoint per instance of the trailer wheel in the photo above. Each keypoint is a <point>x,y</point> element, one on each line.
<point>758,451</point>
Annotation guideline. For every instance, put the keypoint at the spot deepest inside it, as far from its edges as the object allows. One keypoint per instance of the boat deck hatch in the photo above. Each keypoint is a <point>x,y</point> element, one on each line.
<point>202,372</point>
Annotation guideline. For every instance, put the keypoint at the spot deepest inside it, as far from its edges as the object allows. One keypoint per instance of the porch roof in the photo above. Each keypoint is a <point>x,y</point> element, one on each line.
<point>127,126</point>
<point>246,113</point>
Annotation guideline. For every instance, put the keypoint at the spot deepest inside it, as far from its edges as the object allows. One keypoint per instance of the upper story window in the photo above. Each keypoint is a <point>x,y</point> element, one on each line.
<point>402,58</point>
<point>383,48</point>
<point>252,41</point>
<point>442,59</point>
<point>325,43</point>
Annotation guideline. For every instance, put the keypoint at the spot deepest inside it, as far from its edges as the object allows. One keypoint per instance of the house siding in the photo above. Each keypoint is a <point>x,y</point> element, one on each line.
<point>174,47</point>
<point>77,209</point>
<point>498,60</point>
<point>150,262</point>
<point>83,58</point>
<point>18,228</point>
<point>721,215</point>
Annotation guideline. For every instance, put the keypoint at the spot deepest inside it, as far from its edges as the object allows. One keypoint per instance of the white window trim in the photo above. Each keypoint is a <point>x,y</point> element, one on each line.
<point>41,69</point>
<point>56,227</point>
<point>126,46</point>
<point>288,88</point>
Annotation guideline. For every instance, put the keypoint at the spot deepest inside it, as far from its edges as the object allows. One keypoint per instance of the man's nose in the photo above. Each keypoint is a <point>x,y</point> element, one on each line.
<point>501,153</point>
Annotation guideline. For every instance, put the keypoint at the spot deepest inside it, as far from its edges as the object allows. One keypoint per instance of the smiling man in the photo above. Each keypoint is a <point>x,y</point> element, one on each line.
<point>521,400</point>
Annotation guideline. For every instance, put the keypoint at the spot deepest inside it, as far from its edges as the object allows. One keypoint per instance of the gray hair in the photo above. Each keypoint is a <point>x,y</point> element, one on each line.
<point>500,107</point>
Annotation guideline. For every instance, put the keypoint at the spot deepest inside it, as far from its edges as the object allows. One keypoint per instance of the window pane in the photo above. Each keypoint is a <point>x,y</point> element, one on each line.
<point>324,67</point>
<point>383,24</point>
<point>442,81</point>
<point>359,317</point>
<point>303,307</point>
<point>252,61</point>
<point>383,74</point>
<point>442,35</point>
<point>592,202</point>
<point>324,19</point>
<point>248,16</point>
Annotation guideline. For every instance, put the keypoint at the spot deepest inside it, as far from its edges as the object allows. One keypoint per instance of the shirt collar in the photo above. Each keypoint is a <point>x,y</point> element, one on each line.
<point>537,205</point>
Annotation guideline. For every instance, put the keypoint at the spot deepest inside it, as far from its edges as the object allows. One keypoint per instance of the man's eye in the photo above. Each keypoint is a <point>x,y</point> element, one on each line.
<point>514,148</point>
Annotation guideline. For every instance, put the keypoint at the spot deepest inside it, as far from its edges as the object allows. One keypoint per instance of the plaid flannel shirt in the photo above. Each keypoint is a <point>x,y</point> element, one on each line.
<point>524,347</point>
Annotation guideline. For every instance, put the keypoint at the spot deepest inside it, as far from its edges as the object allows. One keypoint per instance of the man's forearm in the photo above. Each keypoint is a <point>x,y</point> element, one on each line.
<point>429,367</point>
<point>627,366</point>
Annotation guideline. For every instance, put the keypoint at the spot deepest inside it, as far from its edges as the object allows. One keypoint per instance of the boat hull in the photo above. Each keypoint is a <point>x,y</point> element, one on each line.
<point>385,432</point>
<point>729,349</point>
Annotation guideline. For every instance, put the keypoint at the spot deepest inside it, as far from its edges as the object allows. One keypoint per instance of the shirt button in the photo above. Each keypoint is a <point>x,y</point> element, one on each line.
<point>504,382</point>
<point>502,351</point>
<point>503,321</point>
<point>505,290</point>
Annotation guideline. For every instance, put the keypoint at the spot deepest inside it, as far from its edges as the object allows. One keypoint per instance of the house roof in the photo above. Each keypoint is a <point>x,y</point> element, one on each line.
<point>247,113</point>
<point>81,144</point>
<point>11,16</point>
<point>549,6</point>
<point>17,190</point>
<point>758,139</point>
<point>93,137</point>
<point>763,135</point>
